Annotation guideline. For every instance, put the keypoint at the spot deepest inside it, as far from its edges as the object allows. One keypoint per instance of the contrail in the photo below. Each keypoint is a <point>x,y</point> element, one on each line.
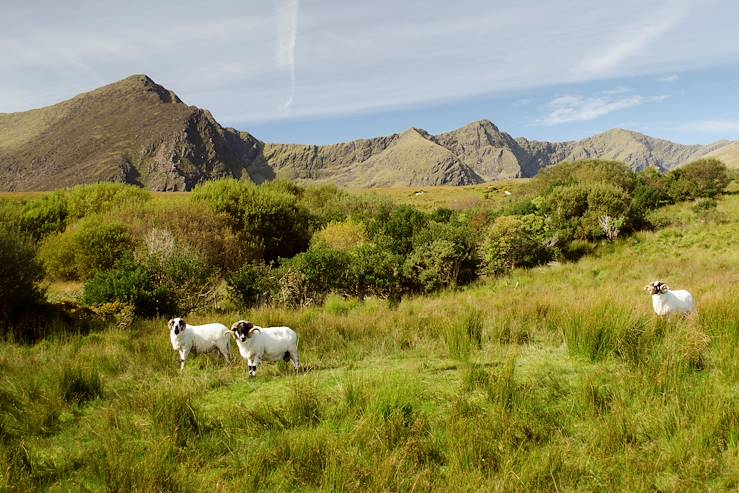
<point>287,30</point>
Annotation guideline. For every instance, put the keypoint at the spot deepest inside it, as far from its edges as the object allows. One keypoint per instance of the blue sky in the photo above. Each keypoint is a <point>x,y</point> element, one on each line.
<point>312,71</point>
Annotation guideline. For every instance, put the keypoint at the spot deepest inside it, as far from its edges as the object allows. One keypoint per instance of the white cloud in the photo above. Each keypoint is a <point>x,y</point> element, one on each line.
<point>575,108</point>
<point>670,78</point>
<point>711,126</point>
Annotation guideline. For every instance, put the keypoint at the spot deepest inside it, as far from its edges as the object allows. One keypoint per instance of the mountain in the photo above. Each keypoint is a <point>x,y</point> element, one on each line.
<point>136,131</point>
<point>133,131</point>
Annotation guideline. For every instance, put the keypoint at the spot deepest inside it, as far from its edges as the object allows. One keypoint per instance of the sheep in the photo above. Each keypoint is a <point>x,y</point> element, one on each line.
<point>198,339</point>
<point>268,343</point>
<point>665,301</point>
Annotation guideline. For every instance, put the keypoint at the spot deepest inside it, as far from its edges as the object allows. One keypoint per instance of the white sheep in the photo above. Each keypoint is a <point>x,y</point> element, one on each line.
<point>666,301</point>
<point>198,339</point>
<point>268,344</point>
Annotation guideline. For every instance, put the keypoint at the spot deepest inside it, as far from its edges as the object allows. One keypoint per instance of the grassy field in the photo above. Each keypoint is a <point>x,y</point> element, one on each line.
<point>558,378</point>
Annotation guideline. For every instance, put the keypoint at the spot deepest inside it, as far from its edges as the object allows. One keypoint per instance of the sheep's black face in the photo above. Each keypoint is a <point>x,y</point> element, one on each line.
<point>177,325</point>
<point>241,330</point>
<point>656,287</point>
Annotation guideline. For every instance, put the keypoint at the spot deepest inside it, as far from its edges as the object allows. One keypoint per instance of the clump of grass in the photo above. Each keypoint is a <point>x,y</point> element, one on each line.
<point>464,336</point>
<point>78,385</point>
<point>174,415</point>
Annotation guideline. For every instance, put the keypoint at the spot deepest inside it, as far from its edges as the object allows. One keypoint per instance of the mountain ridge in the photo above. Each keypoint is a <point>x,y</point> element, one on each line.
<point>137,131</point>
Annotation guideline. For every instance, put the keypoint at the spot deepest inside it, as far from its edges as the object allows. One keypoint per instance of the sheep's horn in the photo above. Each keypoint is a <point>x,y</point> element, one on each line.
<point>254,329</point>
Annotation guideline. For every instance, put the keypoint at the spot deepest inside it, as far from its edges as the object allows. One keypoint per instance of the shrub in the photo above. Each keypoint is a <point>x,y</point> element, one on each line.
<point>44,216</point>
<point>342,236</point>
<point>252,284</point>
<point>433,266</point>
<point>89,246</point>
<point>513,241</point>
<point>279,221</point>
<point>223,195</point>
<point>196,226</point>
<point>322,269</point>
<point>374,271</point>
<point>19,274</point>
<point>268,214</point>
<point>394,229</point>
<point>98,246</point>
<point>576,210</point>
<point>184,273</point>
<point>585,171</point>
<point>84,200</point>
<point>702,178</point>
<point>131,283</point>
<point>445,255</point>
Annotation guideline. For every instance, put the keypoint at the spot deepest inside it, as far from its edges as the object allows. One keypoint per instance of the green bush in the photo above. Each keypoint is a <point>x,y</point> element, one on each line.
<point>344,235</point>
<point>131,283</point>
<point>374,271</point>
<point>87,247</point>
<point>322,270</point>
<point>702,178</point>
<point>394,229</point>
<point>515,241</point>
<point>19,275</point>
<point>444,255</point>
<point>100,245</point>
<point>85,200</point>
<point>44,216</point>
<point>576,210</point>
<point>268,214</point>
<point>278,220</point>
<point>252,285</point>
<point>585,171</point>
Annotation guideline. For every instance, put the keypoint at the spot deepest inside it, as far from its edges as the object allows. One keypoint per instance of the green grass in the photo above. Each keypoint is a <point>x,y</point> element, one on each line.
<point>559,378</point>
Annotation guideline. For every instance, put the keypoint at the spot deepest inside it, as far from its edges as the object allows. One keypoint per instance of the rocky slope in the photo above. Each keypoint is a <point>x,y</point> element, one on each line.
<point>135,131</point>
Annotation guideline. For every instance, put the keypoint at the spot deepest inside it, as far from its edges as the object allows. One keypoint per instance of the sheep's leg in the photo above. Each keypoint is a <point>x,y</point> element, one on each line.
<point>225,352</point>
<point>183,357</point>
<point>296,362</point>
<point>252,367</point>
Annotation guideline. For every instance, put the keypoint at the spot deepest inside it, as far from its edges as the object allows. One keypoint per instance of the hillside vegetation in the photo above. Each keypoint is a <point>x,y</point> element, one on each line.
<point>506,373</point>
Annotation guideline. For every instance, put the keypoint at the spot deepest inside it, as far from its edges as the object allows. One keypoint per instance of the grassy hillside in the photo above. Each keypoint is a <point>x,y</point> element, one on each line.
<point>558,378</point>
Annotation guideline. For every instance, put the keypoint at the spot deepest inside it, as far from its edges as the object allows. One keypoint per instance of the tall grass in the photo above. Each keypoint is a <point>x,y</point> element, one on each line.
<point>558,378</point>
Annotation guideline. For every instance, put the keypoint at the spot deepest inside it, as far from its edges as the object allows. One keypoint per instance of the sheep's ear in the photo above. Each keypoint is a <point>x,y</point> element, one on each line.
<point>170,323</point>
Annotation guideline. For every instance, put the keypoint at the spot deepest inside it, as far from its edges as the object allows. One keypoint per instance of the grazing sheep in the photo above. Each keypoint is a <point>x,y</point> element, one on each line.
<point>198,339</point>
<point>665,301</point>
<point>268,343</point>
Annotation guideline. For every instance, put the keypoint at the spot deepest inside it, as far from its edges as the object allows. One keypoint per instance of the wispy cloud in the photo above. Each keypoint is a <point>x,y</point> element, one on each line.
<point>287,32</point>
<point>632,39</point>
<point>617,90</point>
<point>711,126</point>
<point>575,108</point>
<point>669,78</point>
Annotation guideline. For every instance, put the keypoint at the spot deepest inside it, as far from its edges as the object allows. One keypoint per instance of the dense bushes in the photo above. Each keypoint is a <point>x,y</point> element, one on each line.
<point>19,274</point>
<point>515,241</point>
<point>285,243</point>
<point>271,215</point>
<point>89,246</point>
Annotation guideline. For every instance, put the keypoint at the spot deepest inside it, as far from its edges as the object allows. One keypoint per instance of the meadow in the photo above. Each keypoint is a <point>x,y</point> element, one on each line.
<point>554,378</point>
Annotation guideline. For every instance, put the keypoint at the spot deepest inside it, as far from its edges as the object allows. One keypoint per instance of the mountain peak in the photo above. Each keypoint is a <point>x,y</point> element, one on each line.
<point>138,83</point>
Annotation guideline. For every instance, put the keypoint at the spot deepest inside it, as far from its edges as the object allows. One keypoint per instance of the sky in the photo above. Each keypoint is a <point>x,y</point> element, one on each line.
<point>325,71</point>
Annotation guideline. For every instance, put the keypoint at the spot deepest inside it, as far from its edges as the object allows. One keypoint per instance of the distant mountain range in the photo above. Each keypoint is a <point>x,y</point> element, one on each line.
<point>136,131</point>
